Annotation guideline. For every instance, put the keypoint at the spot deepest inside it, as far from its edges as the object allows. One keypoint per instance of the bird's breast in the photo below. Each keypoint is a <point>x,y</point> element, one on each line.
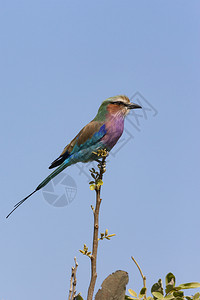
<point>114,129</point>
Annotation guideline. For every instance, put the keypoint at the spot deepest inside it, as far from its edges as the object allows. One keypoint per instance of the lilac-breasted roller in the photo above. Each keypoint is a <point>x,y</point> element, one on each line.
<point>102,132</point>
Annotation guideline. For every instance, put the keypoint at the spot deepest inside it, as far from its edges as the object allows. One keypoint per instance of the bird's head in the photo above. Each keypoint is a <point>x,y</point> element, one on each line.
<point>116,105</point>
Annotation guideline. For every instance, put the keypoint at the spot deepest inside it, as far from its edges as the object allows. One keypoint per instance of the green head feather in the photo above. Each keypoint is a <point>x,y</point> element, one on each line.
<point>101,114</point>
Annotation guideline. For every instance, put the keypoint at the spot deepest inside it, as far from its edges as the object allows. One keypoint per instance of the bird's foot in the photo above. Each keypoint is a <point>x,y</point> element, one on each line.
<point>101,153</point>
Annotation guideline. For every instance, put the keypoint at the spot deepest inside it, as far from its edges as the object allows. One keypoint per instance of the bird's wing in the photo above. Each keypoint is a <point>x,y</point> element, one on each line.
<point>89,135</point>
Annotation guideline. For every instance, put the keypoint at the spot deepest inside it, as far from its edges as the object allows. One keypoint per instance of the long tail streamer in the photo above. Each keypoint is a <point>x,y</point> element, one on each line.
<point>41,185</point>
<point>20,202</point>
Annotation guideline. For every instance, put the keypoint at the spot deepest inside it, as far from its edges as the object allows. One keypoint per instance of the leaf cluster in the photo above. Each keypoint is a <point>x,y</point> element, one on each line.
<point>106,235</point>
<point>85,251</point>
<point>97,182</point>
<point>172,292</point>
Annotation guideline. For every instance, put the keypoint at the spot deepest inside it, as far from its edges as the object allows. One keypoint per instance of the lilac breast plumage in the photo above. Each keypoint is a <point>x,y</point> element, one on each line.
<point>114,129</point>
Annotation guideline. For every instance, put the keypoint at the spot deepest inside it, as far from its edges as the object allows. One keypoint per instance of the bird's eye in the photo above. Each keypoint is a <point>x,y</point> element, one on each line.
<point>117,102</point>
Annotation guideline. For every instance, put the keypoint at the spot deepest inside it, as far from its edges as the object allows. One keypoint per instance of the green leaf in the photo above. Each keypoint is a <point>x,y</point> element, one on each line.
<point>143,292</point>
<point>170,279</point>
<point>111,235</point>
<point>92,187</point>
<point>169,288</point>
<point>132,293</point>
<point>91,182</point>
<point>178,294</point>
<point>169,297</point>
<point>157,287</point>
<point>128,298</point>
<point>100,182</point>
<point>78,297</point>
<point>158,295</point>
<point>190,285</point>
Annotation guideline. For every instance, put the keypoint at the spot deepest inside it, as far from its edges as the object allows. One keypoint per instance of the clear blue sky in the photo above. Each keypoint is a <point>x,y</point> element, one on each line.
<point>58,61</point>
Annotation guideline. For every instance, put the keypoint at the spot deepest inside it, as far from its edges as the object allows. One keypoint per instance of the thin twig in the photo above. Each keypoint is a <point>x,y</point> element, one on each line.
<point>72,290</point>
<point>143,277</point>
<point>71,280</point>
<point>95,234</point>
<point>74,281</point>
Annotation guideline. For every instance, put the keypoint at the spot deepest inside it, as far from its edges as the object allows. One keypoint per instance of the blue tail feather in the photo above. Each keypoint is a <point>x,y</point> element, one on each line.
<point>64,165</point>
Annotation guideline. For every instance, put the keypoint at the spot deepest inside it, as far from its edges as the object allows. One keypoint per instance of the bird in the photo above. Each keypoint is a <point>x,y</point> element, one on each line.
<point>102,133</point>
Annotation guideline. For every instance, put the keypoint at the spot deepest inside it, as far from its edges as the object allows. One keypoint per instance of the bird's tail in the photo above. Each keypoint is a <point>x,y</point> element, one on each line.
<point>42,184</point>
<point>52,175</point>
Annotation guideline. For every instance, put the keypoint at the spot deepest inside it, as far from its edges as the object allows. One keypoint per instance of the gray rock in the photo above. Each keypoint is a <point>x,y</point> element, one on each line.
<point>113,287</point>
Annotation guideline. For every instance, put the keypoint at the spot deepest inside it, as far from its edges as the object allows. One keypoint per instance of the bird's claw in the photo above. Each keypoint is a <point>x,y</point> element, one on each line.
<point>101,152</point>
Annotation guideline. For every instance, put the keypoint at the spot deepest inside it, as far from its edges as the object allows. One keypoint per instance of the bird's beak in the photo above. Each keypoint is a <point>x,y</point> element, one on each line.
<point>133,106</point>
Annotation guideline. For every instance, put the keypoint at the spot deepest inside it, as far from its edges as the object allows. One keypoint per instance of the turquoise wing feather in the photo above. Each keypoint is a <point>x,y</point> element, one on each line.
<point>91,134</point>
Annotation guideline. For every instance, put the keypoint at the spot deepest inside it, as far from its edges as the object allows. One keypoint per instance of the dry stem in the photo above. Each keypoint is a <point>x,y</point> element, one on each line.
<point>143,277</point>
<point>72,290</point>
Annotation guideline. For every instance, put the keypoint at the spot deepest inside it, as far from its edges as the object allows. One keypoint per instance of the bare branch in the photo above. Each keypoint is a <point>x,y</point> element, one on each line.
<point>71,280</point>
<point>74,282</point>
<point>102,169</point>
<point>72,290</point>
<point>143,277</point>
